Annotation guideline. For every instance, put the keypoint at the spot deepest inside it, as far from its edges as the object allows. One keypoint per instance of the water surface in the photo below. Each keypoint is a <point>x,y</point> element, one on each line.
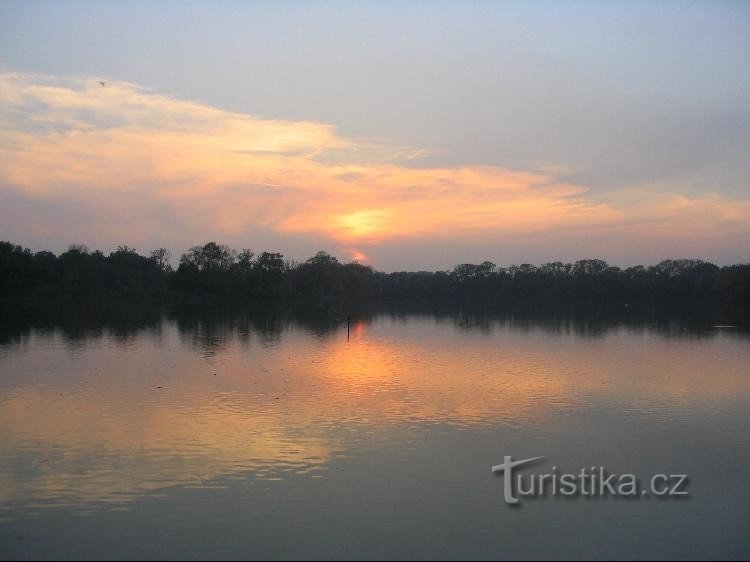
<point>138,431</point>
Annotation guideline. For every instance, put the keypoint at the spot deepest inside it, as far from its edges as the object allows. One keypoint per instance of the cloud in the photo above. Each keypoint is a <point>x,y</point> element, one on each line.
<point>136,166</point>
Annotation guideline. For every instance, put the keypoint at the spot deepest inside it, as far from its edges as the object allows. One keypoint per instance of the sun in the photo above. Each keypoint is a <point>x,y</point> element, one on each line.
<point>359,257</point>
<point>363,224</point>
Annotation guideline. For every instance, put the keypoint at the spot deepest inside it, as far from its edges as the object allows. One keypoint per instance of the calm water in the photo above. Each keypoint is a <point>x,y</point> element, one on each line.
<point>223,432</point>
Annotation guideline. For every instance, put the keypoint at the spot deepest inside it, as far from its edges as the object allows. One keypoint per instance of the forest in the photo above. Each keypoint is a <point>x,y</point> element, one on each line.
<point>215,270</point>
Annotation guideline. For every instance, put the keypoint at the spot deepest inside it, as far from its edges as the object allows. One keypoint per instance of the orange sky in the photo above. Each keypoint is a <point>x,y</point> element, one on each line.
<point>119,164</point>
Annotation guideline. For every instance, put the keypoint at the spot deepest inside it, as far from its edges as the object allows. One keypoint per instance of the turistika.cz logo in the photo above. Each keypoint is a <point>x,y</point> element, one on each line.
<point>589,481</point>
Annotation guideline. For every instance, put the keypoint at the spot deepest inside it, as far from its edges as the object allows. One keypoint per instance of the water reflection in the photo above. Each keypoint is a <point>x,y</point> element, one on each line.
<point>102,405</point>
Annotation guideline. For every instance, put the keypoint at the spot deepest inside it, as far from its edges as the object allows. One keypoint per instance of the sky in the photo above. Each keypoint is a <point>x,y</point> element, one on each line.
<point>405,135</point>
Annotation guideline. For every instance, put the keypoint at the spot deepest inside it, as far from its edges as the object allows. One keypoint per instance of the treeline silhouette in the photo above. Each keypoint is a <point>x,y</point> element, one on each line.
<point>217,270</point>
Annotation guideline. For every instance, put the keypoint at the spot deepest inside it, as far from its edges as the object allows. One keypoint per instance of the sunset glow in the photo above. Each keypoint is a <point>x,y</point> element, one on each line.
<point>326,280</point>
<point>127,158</point>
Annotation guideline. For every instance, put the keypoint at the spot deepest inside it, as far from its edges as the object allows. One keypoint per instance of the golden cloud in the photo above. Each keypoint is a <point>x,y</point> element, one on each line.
<point>121,148</point>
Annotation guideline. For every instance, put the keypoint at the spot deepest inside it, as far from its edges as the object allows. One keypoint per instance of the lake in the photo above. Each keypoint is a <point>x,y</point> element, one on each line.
<point>230,431</point>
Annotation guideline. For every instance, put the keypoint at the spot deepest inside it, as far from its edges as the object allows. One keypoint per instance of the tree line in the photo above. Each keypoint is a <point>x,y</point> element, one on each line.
<point>217,270</point>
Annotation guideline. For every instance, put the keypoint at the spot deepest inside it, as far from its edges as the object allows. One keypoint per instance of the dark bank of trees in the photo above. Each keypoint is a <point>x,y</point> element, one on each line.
<point>217,270</point>
<point>80,272</point>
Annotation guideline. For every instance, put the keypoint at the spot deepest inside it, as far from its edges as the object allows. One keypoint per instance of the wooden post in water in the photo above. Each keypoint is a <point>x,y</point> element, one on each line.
<point>348,324</point>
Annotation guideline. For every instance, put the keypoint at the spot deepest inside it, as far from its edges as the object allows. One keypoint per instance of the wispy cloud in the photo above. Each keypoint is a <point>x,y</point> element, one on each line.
<point>131,160</point>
